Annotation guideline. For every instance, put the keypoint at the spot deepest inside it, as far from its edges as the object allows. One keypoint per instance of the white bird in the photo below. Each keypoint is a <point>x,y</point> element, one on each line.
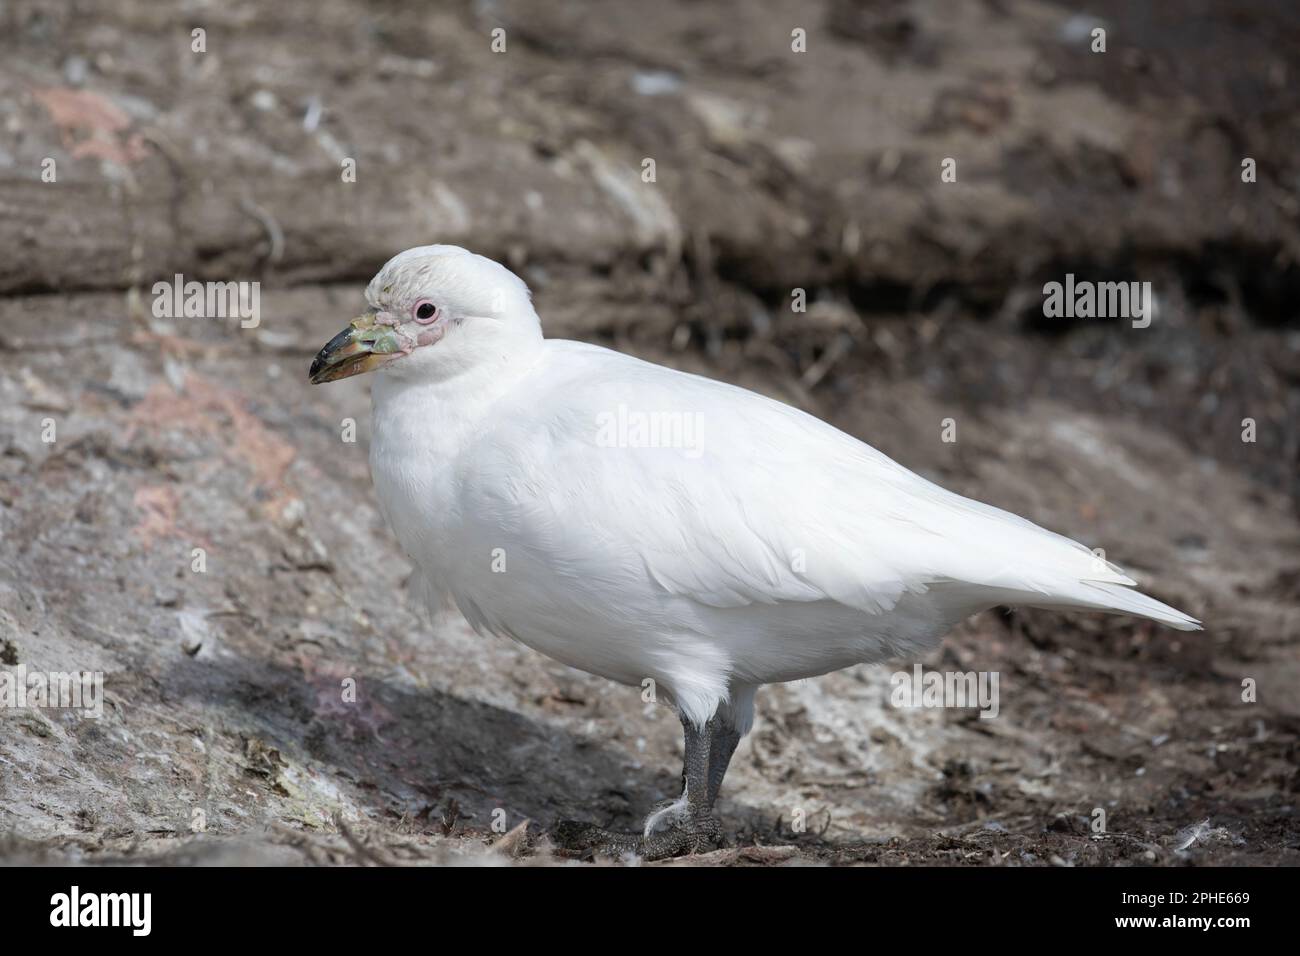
<point>645,524</point>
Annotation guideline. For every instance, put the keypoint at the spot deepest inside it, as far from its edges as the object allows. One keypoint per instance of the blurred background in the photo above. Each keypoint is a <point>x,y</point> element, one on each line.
<point>521,131</point>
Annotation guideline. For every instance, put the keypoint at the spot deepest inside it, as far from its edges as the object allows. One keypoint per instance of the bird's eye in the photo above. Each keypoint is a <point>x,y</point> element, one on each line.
<point>425,312</point>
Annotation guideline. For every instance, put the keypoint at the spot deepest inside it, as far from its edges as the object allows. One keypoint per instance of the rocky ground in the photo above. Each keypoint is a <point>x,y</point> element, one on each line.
<point>225,737</point>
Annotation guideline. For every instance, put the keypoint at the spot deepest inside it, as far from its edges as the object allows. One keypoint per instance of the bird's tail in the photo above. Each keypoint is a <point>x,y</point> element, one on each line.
<point>1120,599</point>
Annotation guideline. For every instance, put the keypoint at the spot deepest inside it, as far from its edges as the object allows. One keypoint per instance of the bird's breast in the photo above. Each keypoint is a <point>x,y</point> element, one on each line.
<point>412,462</point>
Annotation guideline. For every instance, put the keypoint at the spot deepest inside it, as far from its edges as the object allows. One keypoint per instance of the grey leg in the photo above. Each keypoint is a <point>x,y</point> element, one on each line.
<point>698,831</point>
<point>721,749</point>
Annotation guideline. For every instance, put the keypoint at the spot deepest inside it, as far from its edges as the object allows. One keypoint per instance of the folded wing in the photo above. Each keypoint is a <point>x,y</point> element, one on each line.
<point>731,499</point>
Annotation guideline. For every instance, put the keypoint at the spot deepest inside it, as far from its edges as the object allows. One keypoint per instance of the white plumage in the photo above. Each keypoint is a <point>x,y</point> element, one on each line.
<point>521,477</point>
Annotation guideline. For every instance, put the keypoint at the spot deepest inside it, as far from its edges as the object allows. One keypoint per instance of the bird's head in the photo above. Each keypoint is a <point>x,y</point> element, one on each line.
<point>434,311</point>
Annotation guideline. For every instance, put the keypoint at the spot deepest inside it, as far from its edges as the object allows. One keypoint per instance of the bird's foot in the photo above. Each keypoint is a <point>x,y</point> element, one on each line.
<point>702,833</point>
<point>690,834</point>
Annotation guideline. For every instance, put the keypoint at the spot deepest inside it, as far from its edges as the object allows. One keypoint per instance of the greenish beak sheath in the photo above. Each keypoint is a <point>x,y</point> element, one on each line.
<point>362,347</point>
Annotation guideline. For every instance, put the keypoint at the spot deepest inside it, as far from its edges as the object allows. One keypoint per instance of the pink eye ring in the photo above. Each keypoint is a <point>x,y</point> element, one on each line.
<point>424,312</point>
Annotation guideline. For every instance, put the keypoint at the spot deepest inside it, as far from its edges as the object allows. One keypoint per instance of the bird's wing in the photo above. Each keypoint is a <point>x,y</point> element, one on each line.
<point>755,502</point>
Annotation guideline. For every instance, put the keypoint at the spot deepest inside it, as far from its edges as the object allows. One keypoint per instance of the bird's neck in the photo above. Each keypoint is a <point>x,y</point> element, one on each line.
<point>459,399</point>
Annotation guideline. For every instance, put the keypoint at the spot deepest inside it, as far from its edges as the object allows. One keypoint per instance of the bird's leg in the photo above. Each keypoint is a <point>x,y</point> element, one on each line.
<point>721,748</point>
<point>694,828</point>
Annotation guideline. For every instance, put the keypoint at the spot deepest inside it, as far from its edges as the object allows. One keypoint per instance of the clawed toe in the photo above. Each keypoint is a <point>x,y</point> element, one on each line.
<point>576,838</point>
<point>586,840</point>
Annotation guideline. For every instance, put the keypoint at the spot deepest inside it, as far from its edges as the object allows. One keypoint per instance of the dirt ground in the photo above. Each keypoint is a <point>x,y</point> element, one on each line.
<point>225,739</point>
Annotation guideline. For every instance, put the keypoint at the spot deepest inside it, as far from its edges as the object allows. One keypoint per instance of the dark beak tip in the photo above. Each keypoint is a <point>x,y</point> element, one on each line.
<point>352,352</point>
<point>321,362</point>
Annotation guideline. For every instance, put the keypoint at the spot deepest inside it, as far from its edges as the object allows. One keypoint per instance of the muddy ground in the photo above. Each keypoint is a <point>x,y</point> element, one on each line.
<point>225,737</point>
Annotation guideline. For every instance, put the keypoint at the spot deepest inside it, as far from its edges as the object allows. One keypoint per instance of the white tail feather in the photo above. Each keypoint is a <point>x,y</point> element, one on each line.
<point>1104,596</point>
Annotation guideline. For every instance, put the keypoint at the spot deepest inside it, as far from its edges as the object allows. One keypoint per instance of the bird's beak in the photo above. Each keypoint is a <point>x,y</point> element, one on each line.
<point>362,347</point>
